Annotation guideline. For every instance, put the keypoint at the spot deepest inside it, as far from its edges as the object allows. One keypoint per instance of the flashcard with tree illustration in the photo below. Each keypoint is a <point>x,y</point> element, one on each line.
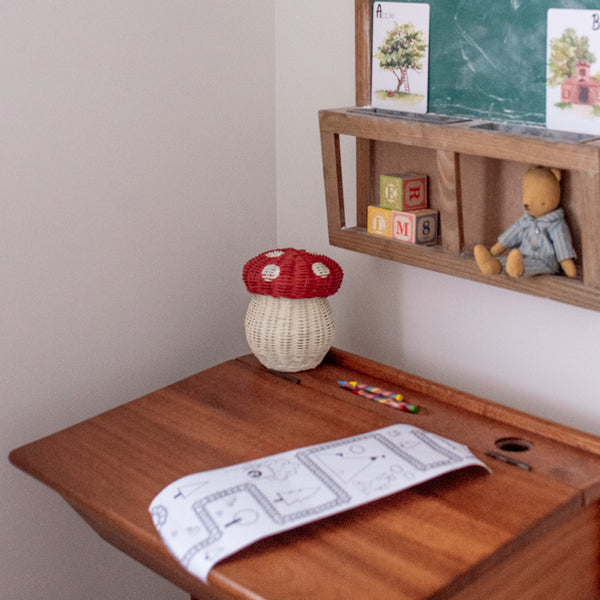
<point>573,71</point>
<point>400,56</point>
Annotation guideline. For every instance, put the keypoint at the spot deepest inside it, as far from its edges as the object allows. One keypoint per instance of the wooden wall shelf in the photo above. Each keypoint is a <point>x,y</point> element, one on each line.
<point>475,170</point>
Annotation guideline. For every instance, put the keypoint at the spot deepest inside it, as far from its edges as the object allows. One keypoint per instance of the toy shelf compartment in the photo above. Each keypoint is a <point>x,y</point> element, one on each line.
<point>475,171</point>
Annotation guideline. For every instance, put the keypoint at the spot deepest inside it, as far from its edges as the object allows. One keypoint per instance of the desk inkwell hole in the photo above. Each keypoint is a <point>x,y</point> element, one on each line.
<point>510,444</point>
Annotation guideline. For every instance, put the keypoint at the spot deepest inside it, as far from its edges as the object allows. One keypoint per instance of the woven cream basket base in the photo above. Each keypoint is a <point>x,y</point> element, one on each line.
<point>289,335</point>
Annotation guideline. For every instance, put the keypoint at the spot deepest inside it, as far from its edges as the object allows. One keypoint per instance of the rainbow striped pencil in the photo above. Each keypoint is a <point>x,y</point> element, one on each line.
<point>370,388</point>
<point>379,395</point>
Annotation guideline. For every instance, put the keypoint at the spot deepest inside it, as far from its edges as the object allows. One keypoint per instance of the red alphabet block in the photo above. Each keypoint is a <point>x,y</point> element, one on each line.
<point>416,226</point>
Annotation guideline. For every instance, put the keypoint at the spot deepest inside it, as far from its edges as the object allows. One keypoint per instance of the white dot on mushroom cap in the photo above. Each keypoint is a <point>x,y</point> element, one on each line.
<point>320,270</point>
<point>274,253</point>
<point>270,272</point>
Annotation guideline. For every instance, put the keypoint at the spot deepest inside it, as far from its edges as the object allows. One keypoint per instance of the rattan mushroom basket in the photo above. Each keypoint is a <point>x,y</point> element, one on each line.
<point>289,323</point>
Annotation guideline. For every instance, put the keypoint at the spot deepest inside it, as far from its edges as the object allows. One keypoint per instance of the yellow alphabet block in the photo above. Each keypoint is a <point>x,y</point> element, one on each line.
<point>379,221</point>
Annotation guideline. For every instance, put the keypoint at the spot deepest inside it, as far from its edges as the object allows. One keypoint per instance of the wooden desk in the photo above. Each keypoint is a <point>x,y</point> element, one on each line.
<point>515,534</point>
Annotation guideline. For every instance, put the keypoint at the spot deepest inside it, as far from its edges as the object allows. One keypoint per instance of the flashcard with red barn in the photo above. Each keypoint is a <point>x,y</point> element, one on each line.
<point>573,71</point>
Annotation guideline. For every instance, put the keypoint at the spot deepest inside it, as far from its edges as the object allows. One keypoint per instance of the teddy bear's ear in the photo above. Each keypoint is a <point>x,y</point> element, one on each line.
<point>556,174</point>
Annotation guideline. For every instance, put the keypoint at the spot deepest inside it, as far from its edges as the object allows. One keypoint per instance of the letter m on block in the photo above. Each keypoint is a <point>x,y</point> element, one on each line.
<point>403,227</point>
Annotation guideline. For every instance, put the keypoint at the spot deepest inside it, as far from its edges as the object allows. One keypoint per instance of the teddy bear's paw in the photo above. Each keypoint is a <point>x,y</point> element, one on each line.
<point>487,264</point>
<point>514,263</point>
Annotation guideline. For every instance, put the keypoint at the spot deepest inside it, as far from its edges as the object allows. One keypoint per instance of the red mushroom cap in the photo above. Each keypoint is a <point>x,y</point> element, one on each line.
<point>291,273</point>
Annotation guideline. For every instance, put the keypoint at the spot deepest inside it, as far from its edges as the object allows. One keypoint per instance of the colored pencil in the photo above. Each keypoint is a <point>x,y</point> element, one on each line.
<point>379,395</point>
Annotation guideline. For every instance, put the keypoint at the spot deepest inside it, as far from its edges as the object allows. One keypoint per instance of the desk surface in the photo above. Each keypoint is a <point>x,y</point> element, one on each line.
<point>433,541</point>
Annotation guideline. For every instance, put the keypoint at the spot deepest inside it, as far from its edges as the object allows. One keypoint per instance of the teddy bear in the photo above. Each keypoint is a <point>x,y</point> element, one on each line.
<point>540,241</point>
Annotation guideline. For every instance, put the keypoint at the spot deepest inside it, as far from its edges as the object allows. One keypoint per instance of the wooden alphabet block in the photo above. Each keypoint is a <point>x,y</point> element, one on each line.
<point>404,192</point>
<point>379,221</point>
<point>416,227</point>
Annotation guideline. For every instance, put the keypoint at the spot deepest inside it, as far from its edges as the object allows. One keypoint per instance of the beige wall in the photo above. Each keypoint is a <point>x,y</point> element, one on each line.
<point>137,177</point>
<point>141,148</point>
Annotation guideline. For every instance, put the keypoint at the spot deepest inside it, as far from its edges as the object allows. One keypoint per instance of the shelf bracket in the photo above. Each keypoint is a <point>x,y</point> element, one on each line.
<point>332,173</point>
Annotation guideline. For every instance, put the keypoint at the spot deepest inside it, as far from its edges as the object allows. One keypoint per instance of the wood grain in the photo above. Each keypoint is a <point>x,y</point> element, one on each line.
<point>332,173</point>
<point>431,542</point>
<point>447,189</point>
<point>589,242</point>
<point>386,144</point>
<point>533,573</point>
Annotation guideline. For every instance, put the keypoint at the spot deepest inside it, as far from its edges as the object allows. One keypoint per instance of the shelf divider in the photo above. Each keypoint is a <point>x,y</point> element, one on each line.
<point>447,189</point>
<point>590,238</point>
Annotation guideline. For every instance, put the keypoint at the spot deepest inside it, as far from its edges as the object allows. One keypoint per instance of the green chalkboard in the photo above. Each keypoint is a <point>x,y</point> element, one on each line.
<point>487,58</point>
